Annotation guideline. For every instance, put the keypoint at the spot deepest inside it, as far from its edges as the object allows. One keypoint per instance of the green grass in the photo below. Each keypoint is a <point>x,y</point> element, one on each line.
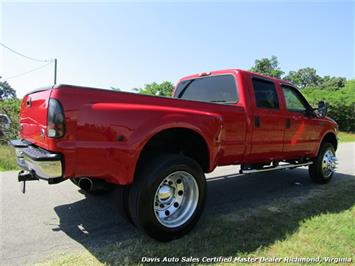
<point>346,137</point>
<point>317,223</point>
<point>7,158</point>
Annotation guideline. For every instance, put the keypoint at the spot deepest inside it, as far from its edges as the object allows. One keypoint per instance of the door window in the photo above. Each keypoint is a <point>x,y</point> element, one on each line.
<point>294,102</point>
<point>265,94</point>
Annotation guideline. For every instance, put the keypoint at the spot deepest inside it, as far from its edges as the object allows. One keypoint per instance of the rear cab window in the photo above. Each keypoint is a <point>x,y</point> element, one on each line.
<point>265,93</point>
<point>214,89</point>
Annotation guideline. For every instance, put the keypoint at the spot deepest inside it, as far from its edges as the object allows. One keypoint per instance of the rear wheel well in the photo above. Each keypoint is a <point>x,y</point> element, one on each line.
<point>331,138</point>
<point>178,141</point>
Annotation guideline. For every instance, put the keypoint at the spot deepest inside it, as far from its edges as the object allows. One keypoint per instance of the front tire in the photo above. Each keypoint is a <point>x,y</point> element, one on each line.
<point>168,196</point>
<point>323,167</point>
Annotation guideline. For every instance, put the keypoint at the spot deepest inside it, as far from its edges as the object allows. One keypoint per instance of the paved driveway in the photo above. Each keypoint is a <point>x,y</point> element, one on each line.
<point>59,218</point>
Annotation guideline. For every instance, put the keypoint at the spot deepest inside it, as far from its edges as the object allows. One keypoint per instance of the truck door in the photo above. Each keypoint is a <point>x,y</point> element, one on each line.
<point>301,132</point>
<point>267,121</point>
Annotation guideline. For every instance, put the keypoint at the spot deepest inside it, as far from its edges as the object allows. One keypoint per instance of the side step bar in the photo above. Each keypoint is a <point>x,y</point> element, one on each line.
<point>273,168</point>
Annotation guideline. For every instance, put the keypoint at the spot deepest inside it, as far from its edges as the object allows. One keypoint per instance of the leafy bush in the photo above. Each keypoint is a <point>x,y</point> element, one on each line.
<point>165,88</point>
<point>341,103</point>
<point>10,107</point>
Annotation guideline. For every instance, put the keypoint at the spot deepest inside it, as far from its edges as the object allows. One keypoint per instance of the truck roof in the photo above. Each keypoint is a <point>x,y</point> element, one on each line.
<point>228,71</point>
<point>192,76</point>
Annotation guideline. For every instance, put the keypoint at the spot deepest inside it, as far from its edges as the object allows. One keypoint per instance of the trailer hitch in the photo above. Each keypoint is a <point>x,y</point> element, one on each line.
<point>24,176</point>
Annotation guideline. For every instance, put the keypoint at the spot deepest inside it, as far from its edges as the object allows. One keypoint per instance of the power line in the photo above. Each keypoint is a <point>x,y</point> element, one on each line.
<point>48,61</point>
<point>25,56</point>
<point>27,72</point>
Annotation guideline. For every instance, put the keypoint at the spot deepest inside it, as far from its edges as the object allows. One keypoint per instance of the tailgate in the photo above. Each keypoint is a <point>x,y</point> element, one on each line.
<point>33,117</point>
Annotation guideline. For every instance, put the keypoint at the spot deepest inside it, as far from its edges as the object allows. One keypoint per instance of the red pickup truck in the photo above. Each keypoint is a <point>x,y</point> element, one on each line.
<point>156,150</point>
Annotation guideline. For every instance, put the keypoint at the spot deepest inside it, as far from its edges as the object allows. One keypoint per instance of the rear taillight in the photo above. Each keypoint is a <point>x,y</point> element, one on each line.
<point>56,121</point>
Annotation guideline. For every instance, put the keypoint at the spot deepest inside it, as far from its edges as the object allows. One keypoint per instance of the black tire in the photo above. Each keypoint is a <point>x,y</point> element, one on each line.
<point>120,200</point>
<point>315,170</point>
<point>101,187</point>
<point>149,177</point>
<point>119,197</point>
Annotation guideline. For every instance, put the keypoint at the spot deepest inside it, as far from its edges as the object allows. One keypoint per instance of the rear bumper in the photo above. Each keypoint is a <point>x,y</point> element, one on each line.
<point>41,163</point>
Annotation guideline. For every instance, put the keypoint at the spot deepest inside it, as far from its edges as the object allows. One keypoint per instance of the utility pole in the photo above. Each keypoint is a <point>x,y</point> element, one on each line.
<point>55,71</point>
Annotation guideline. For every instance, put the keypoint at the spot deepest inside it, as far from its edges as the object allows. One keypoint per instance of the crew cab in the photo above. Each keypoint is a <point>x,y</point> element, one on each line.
<point>155,151</point>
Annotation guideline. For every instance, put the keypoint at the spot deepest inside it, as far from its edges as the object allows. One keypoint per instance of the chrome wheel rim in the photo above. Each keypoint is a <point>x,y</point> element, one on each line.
<point>176,199</point>
<point>328,163</point>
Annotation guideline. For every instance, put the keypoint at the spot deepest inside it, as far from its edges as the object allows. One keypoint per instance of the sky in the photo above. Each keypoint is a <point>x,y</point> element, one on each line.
<point>129,44</point>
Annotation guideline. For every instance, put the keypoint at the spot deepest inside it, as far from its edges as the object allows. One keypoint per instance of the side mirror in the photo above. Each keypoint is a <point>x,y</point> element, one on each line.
<point>322,109</point>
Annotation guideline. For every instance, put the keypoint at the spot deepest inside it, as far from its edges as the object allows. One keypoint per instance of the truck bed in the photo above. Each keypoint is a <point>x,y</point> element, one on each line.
<point>107,129</point>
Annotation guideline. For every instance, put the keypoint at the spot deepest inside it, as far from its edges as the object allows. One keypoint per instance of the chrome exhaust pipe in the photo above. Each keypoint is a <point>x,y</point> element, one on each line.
<point>86,184</point>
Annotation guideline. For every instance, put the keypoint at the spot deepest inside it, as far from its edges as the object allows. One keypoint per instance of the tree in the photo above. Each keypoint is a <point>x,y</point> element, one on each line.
<point>10,107</point>
<point>6,91</point>
<point>115,88</point>
<point>268,67</point>
<point>332,83</point>
<point>304,77</point>
<point>341,103</point>
<point>163,89</point>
